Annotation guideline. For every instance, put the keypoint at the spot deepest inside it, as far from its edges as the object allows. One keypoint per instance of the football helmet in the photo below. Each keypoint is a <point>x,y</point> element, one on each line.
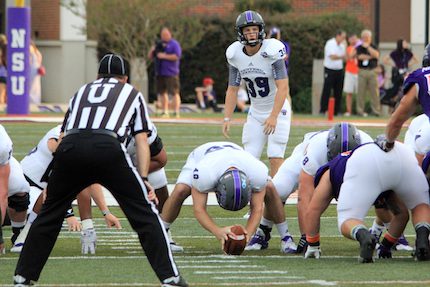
<point>233,190</point>
<point>426,57</point>
<point>342,137</point>
<point>250,18</point>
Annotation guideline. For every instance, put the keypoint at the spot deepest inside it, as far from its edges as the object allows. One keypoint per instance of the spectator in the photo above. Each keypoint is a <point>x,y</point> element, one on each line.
<point>3,70</point>
<point>400,59</point>
<point>275,32</point>
<point>380,71</point>
<point>350,83</point>
<point>334,54</point>
<point>367,55</point>
<point>167,53</point>
<point>206,95</point>
<point>36,71</point>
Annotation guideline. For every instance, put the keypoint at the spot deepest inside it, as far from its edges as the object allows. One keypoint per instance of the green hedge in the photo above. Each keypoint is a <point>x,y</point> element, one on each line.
<point>306,36</point>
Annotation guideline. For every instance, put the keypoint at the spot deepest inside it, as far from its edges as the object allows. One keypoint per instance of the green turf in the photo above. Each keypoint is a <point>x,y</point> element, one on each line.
<point>124,265</point>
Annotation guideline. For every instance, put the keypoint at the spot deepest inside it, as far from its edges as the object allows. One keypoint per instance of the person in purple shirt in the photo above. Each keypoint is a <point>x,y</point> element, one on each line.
<point>167,54</point>
<point>366,176</point>
<point>416,92</point>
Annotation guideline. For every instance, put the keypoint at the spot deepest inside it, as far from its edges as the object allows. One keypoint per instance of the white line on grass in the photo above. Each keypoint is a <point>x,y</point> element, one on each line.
<point>219,267</point>
<point>256,277</point>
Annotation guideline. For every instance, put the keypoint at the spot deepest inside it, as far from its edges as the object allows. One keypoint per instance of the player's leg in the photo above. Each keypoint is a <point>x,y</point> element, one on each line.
<point>4,182</point>
<point>18,198</point>
<point>277,142</point>
<point>253,137</point>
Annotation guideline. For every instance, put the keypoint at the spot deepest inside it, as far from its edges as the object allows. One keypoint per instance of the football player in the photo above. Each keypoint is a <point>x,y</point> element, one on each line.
<point>212,167</point>
<point>260,63</point>
<point>415,89</point>
<point>300,168</point>
<point>418,136</point>
<point>358,178</point>
<point>13,186</point>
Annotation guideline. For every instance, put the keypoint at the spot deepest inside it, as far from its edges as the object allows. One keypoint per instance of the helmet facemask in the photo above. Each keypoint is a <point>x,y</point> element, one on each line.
<point>246,19</point>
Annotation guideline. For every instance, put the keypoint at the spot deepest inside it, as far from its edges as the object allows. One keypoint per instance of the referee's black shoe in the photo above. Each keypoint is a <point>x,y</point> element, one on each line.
<point>174,281</point>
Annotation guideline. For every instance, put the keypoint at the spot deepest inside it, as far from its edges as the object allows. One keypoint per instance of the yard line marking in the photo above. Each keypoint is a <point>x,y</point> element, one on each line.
<point>241,272</point>
<point>211,261</point>
<point>218,267</point>
<point>257,277</point>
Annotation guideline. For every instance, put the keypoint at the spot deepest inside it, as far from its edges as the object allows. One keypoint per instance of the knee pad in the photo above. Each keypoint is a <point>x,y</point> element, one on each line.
<point>19,202</point>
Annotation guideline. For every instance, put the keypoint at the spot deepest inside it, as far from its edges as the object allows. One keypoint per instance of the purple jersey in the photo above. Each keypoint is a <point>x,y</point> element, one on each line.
<point>421,77</point>
<point>168,68</point>
<point>337,171</point>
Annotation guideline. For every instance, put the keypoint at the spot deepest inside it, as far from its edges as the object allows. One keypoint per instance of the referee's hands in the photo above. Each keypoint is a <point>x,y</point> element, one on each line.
<point>151,193</point>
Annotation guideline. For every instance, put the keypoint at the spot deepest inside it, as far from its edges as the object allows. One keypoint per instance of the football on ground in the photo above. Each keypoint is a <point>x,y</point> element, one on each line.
<point>235,245</point>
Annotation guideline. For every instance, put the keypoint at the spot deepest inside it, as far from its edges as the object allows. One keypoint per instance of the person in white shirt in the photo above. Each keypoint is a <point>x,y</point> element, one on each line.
<point>334,56</point>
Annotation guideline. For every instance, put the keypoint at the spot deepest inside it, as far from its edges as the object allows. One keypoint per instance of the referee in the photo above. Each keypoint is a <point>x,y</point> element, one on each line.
<point>100,117</point>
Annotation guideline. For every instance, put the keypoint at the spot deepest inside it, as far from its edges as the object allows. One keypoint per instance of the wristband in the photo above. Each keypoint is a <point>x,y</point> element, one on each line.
<point>227,119</point>
<point>106,212</point>
<point>144,178</point>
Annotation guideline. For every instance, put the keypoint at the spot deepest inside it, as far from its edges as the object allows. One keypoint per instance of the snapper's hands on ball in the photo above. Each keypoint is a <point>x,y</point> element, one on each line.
<point>236,240</point>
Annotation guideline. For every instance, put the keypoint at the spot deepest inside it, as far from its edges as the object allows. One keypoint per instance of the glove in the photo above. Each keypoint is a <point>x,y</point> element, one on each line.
<point>88,241</point>
<point>384,252</point>
<point>383,144</point>
<point>313,252</point>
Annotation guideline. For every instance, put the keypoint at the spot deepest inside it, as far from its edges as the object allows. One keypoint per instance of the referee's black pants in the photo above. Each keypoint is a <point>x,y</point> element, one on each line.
<point>81,160</point>
<point>333,80</point>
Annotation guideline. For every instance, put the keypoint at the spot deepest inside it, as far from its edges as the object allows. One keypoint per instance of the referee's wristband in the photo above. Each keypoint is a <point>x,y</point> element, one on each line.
<point>106,212</point>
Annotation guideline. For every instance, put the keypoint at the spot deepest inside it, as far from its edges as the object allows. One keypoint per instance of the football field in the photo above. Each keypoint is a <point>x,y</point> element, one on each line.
<point>119,260</point>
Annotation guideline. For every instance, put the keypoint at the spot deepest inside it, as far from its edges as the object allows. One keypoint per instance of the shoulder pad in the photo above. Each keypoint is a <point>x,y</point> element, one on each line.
<point>273,49</point>
<point>232,50</point>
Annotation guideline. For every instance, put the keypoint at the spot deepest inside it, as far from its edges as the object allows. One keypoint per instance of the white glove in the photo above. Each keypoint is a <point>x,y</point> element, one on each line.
<point>313,252</point>
<point>88,241</point>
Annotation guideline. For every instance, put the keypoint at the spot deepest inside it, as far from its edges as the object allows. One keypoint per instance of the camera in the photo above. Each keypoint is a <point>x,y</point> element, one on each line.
<point>159,46</point>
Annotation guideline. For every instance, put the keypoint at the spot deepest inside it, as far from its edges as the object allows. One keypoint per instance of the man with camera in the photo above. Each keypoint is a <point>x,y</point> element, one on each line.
<point>167,53</point>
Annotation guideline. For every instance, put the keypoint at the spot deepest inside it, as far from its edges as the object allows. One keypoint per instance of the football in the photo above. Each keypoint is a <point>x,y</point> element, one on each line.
<point>235,246</point>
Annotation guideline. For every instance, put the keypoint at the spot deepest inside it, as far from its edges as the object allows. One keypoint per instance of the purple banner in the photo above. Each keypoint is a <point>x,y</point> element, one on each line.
<point>18,60</point>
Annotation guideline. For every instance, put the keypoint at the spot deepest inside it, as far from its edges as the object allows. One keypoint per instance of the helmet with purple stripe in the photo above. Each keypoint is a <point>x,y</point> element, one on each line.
<point>426,57</point>
<point>342,137</point>
<point>250,18</point>
<point>233,190</point>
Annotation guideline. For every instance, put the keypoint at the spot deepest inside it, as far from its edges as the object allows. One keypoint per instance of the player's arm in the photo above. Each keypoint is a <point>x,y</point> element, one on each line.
<point>4,180</point>
<point>256,208</point>
<point>282,85</point>
<point>230,98</point>
<point>96,193</point>
<point>53,144</point>
<point>158,161</point>
<point>202,216</point>
<point>403,112</point>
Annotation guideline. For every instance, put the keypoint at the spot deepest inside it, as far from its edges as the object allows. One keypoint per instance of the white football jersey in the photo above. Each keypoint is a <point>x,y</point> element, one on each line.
<point>315,154</point>
<point>257,71</point>
<point>213,159</point>
<point>5,146</point>
<point>35,163</point>
<point>418,134</point>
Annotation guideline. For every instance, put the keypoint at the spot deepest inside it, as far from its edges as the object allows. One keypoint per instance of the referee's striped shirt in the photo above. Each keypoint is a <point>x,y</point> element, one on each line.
<point>107,104</point>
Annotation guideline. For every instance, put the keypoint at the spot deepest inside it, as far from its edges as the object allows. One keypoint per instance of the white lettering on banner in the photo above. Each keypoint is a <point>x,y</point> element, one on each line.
<point>18,85</point>
<point>18,62</point>
<point>18,38</point>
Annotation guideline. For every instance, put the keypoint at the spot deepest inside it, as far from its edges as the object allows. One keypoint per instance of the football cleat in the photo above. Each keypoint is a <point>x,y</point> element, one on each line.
<point>88,241</point>
<point>301,247</point>
<point>20,281</point>
<point>19,242</point>
<point>173,246</point>
<point>377,233</point>
<point>259,241</point>
<point>384,252</point>
<point>313,252</point>
<point>422,248</point>
<point>287,245</point>
<point>403,244</point>
<point>367,246</point>
<point>174,281</point>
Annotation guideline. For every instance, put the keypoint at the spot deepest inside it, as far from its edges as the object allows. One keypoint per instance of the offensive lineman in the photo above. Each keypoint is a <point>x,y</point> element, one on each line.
<point>260,63</point>
<point>357,178</point>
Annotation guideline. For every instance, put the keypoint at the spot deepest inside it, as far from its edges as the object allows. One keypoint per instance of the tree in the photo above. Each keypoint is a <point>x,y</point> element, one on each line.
<point>130,28</point>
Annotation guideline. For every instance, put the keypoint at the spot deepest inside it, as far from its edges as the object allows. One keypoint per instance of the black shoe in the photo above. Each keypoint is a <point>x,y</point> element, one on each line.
<point>422,248</point>
<point>367,246</point>
<point>302,245</point>
<point>174,281</point>
<point>20,281</point>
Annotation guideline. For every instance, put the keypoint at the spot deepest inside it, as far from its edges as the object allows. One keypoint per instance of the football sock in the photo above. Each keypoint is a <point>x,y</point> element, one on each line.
<point>283,229</point>
<point>313,240</point>
<point>377,229</point>
<point>266,222</point>
<point>358,231</point>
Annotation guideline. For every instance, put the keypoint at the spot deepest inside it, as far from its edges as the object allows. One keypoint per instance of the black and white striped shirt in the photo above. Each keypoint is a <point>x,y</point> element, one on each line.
<point>107,104</point>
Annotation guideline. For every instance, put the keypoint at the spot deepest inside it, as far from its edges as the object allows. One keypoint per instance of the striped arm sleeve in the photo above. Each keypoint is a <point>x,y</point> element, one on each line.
<point>234,77</point>
<point>279,70</point>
